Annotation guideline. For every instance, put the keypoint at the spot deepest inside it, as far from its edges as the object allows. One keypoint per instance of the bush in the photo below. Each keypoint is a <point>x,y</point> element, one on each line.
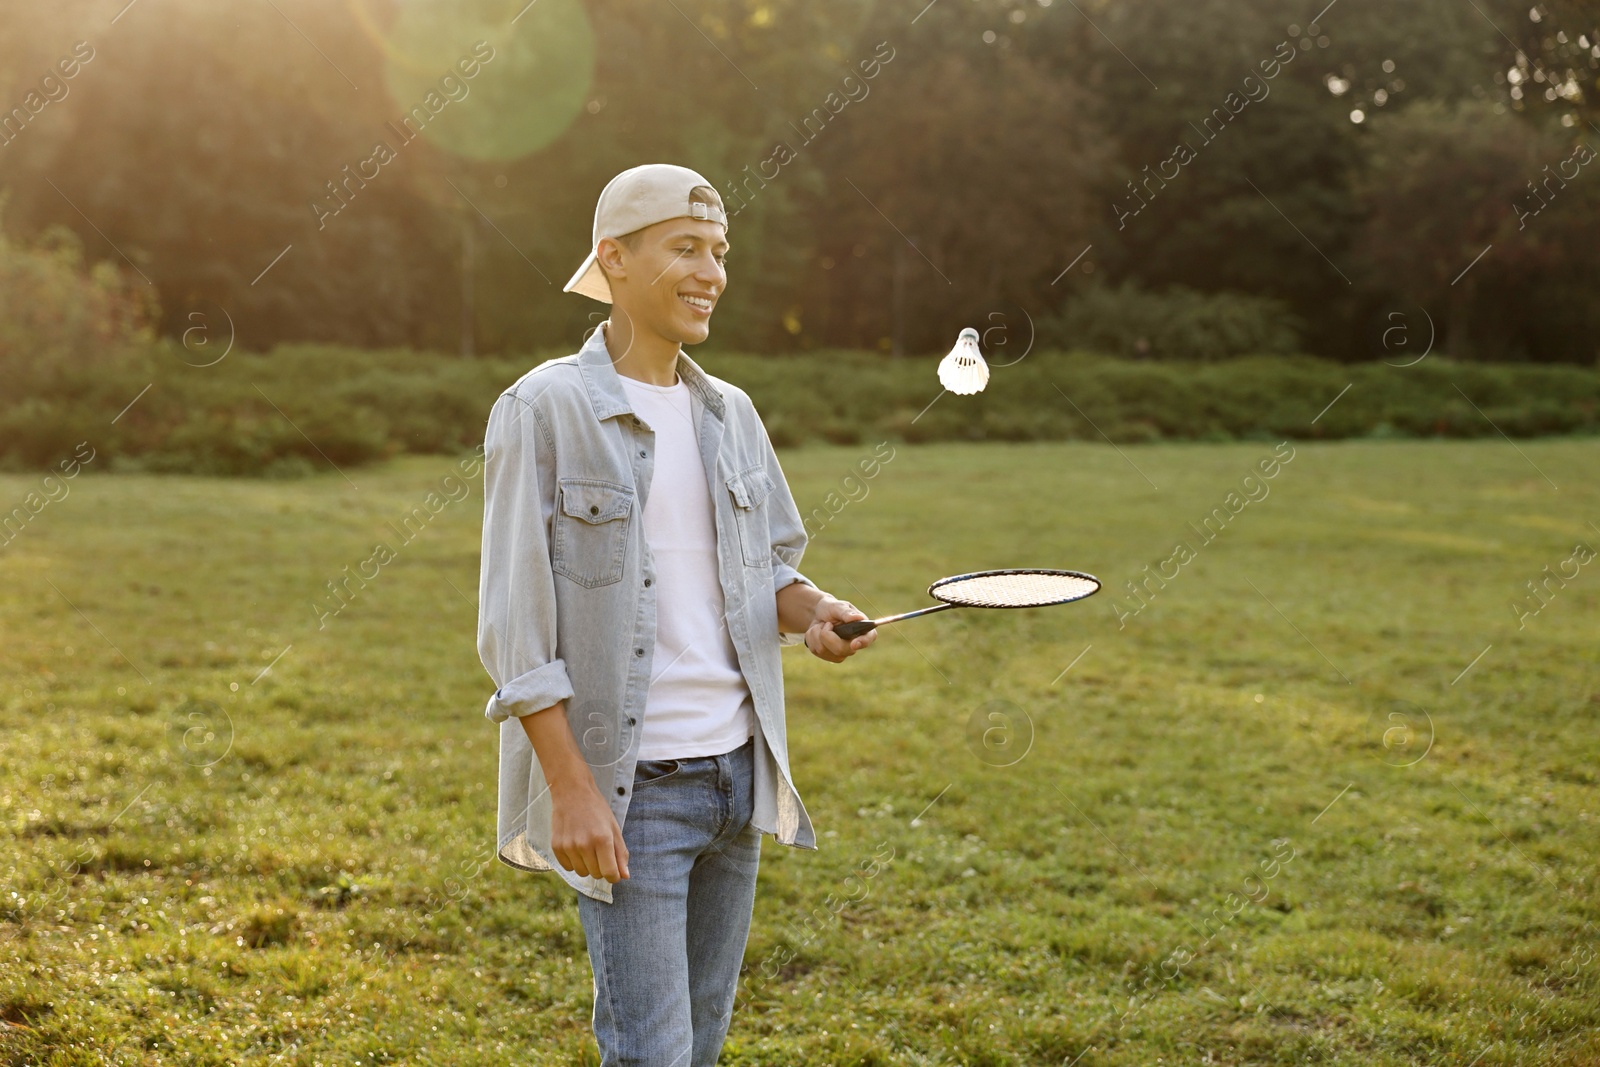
<point>295,410</point>
<point>61,322</point>
<point>38,433</point>
<point>1179,324</point>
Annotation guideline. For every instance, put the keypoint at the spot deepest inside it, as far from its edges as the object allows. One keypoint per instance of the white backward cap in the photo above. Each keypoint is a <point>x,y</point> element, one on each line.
<point>639,197</point>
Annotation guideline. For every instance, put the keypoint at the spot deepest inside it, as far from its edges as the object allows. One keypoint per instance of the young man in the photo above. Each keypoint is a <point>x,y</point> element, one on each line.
<point>640,555</point>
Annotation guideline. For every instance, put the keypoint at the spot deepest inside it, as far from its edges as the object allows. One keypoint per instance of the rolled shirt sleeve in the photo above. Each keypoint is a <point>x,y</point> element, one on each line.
<point>516,587</point>
<point>787,575</point>
<point>788,533</point>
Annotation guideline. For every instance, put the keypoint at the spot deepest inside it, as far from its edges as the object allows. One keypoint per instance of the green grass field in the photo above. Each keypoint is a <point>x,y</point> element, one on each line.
<point>1321,800</point>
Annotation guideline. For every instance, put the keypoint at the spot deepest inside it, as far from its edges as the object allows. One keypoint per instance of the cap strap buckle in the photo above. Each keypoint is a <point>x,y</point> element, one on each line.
<point>698,210</point>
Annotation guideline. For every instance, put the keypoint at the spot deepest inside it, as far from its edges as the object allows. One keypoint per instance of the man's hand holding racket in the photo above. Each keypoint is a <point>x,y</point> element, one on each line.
<point>823,642</point>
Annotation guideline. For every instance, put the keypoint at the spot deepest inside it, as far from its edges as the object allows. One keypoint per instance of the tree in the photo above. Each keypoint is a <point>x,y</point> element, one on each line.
<point>1482,219</point>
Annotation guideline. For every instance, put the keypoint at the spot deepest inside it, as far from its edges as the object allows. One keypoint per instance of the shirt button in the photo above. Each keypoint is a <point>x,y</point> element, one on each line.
<point>641,452</point>
<point>638,652</point>
<point>594,509</point>
<point>632,721</point>
<point>621,791</point>
<point>647,583</point>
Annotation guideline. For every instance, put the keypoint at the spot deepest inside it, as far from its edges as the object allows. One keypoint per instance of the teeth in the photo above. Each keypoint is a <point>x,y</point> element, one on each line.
<point>697,301</point>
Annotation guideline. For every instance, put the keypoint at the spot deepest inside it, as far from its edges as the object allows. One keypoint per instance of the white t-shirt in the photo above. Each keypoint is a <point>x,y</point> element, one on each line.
<point>698,703</point>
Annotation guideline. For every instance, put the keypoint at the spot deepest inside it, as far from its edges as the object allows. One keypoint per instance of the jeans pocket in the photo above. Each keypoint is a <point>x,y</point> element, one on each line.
<point>650,771</point>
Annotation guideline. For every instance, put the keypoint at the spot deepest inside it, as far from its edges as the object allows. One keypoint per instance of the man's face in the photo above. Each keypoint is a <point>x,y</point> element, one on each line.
<point>674,279</point>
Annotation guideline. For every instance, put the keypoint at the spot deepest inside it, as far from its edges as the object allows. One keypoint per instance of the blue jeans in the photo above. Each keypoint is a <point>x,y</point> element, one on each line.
<point>667,950</point>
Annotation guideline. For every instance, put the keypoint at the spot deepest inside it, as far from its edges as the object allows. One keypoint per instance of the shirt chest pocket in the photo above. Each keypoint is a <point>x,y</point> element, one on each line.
<point>751,489</point>
<point>590,540</point>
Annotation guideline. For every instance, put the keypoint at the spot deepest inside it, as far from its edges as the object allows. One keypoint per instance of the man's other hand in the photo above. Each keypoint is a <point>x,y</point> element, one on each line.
<point>584,835</point>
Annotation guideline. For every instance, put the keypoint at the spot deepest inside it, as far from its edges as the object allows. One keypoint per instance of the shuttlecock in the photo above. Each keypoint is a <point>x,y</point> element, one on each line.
<point>963,370</point>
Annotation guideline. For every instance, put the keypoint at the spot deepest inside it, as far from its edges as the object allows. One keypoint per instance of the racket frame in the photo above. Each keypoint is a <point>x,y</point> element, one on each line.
<point>849,630</point>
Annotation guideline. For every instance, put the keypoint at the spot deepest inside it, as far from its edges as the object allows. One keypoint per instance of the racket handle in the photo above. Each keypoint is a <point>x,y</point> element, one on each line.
<point>847,630</point>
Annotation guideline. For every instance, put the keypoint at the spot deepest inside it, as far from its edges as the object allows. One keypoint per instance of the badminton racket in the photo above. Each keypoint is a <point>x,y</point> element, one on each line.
<point>1021,588</point>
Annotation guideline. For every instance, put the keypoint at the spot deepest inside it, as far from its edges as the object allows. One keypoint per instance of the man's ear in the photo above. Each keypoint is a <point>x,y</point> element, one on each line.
<point>609,254</point>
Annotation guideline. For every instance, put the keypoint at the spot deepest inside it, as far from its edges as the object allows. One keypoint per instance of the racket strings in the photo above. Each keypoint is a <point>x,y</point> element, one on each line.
<point>1019,590</point>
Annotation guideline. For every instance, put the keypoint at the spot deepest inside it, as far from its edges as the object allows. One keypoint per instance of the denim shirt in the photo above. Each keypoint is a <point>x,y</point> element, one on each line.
<point>567,602</point>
